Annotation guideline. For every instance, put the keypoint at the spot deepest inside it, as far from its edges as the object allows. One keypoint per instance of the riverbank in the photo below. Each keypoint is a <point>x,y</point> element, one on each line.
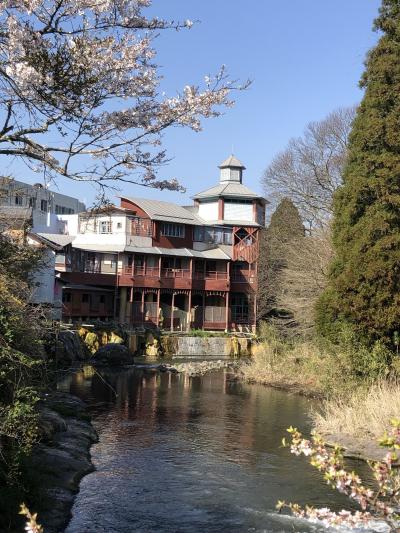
<point>61,458</point>
<point>353,413</point>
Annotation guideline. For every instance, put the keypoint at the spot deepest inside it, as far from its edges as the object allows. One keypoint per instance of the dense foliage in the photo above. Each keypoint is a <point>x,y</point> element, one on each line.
<point>21,365</point>
<point>364,287</point>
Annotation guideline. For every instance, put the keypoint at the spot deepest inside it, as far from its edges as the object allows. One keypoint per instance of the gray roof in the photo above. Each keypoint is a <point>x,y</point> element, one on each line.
<point>57,238</point>
<point>214,253</point>
<point>106,248</point>
<point>232,161</point>
<point>91,288</point>
<point>226,249</point>
<point>228,190</point>
<point>166,211</point>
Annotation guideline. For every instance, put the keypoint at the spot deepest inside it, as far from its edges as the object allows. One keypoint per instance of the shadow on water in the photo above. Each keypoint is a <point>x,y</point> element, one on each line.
<point>180,454</point>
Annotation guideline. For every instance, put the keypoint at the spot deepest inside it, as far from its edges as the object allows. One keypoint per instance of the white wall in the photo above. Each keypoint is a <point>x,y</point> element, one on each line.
<point>44,279</point>
<point>70,223</point>
<point>208,210</point>
<point>238,212</point>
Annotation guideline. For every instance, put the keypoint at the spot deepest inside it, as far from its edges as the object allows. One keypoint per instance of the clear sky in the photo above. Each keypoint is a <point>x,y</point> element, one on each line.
<point>305,58</point>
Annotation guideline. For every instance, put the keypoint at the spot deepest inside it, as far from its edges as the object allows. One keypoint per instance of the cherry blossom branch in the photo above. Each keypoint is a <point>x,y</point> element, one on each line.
<point>380,504</point>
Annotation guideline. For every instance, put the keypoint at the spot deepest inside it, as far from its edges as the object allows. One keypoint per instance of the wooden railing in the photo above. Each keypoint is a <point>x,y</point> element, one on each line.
<point>92,268</point>
<point>175,273</point>
<point>211,274</point>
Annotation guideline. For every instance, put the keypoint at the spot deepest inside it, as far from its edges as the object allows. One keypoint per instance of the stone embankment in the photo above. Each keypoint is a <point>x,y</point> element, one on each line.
<point>61,459</point>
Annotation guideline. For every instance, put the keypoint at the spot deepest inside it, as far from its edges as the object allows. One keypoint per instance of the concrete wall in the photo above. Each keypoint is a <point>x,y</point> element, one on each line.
<point>203,346</point>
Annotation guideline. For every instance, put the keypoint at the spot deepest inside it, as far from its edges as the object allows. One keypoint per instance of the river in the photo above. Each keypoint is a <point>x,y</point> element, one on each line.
<point>200,454</point>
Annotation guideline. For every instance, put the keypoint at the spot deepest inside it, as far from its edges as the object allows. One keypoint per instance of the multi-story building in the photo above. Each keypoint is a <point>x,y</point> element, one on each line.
<point>155,263</point>
<point>36,204</point>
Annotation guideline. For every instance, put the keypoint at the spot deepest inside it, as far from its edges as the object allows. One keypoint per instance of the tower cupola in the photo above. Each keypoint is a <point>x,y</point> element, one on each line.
<point>231,170</point>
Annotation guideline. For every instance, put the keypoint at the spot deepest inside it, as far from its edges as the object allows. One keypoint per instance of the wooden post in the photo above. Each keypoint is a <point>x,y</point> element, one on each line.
<point>133,265</point>
<point>190,311</point>
<point>227,311</point>
<point>142,307</point>
<point>116,288</point>
<point>255,312</point>
<point>158,308</point>
<point>228,271</point>
<point>172,311</point>
<point>204,269</point>
<point>159,267</point>
<point>191,268</point>
<point>144,264</point>
<point>204,308</point>
<point>131,306</point>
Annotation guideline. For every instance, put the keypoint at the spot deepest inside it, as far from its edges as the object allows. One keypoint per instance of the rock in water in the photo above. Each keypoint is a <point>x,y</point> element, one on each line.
<point>113,355</point>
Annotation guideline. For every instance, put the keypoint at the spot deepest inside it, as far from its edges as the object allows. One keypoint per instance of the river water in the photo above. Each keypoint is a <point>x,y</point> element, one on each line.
<point>200,454</point>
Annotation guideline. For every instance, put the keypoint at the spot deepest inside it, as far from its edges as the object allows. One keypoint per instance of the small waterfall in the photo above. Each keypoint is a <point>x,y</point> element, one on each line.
<point>203,346</point>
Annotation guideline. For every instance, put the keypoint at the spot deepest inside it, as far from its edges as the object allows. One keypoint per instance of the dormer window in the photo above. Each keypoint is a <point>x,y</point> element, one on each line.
<point>173,230</point>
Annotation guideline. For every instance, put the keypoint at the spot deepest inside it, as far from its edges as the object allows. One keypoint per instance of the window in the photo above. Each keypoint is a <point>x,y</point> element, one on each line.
<point>172,230</point>
<point>43,205</point>
<point>66,297</point>
<point>239,201</point>
<point>102,299</point>
<point>85,298</point>
<point>19,199</point>
<point>61,210</point>
<point>119,225</point>
<point>213,235</point>
<point>105,226</point>
<point>32,202</point>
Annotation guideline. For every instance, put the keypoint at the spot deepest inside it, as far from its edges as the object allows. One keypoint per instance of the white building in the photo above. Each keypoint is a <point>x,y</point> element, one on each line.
<point>38,203</point>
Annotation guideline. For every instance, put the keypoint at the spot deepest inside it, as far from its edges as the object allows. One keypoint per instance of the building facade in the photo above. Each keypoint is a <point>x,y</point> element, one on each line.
<point>157,264</point>
<point>36,204</point>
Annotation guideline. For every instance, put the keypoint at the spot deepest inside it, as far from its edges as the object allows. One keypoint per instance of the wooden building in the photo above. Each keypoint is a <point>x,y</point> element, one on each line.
<point>158,264</point>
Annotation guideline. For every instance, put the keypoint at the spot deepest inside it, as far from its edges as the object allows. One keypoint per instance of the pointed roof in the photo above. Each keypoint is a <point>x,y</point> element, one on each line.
<point>232,161</point>
<point>228,190</point>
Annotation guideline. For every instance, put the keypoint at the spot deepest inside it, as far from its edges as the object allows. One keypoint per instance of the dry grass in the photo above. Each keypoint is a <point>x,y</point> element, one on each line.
<point>297,368</point>
<point>364,413</point>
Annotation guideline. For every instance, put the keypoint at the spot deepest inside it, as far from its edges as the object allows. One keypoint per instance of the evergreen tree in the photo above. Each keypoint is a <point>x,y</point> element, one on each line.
<point>285,227</point>
<point>364,287</point>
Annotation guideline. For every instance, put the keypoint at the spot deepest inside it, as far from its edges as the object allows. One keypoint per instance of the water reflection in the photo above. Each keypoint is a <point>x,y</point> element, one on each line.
<point>190,454</point>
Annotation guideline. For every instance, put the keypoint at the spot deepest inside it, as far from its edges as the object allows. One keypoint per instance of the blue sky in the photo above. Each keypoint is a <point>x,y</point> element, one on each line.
<point>305,58</point>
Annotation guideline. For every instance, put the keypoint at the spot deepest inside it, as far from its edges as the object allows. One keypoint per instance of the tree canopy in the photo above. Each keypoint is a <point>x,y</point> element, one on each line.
<point>79,90</point>
<point>364,286</point>
<point>309,169</point>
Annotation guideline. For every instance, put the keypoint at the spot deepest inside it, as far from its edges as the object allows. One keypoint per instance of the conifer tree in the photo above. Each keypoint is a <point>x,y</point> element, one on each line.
<point>285,227</point>
<point>364,287</point>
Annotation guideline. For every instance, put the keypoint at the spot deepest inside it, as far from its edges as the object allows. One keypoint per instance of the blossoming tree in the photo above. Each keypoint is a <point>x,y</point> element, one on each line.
<point>381,503</point>
<point>79,90</point>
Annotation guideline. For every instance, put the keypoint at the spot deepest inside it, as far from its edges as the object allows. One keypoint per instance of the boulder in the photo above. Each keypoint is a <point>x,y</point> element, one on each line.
<point>113,355</point>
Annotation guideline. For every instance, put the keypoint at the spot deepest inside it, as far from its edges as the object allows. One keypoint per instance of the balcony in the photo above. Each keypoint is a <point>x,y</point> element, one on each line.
<point>211,274</point>
<point>180,273</point>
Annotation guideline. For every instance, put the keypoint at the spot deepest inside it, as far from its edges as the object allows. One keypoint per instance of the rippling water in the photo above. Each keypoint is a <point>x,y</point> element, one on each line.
<point>202,454</point>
